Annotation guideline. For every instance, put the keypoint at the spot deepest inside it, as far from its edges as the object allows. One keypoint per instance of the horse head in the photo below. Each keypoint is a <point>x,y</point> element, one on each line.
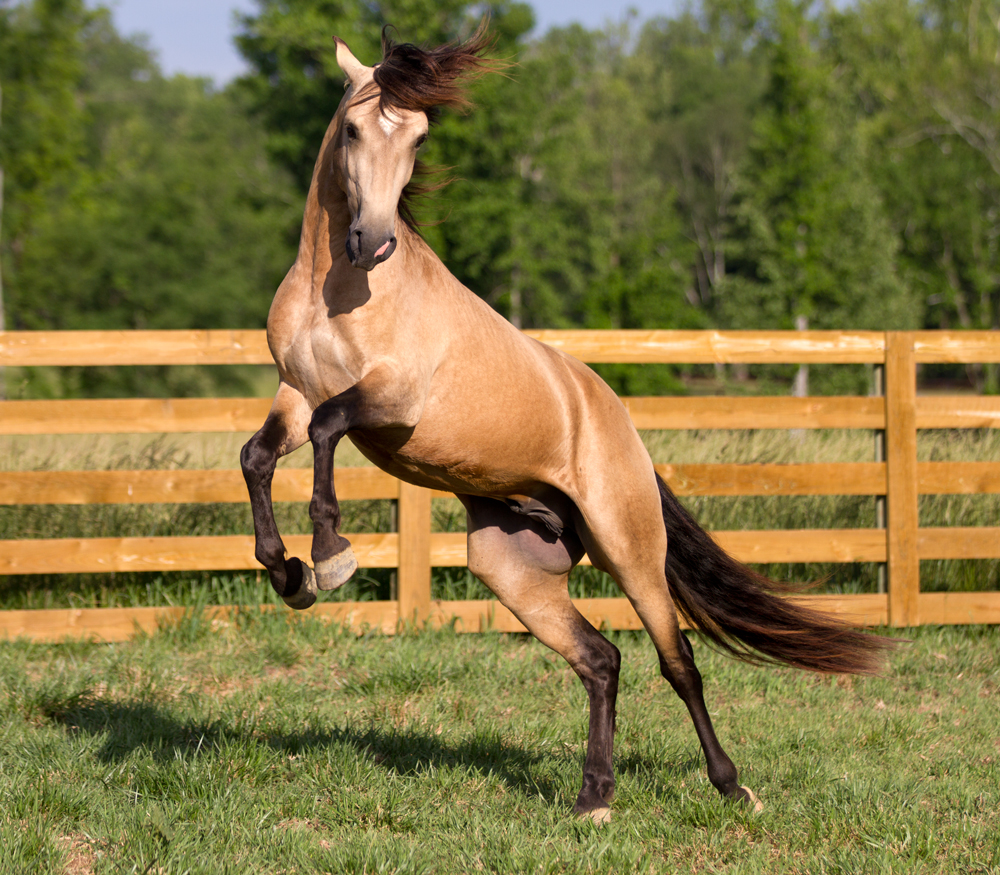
<point>382,121</point>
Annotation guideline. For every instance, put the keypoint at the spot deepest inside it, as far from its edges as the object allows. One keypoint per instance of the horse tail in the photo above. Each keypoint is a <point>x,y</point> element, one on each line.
<point>742,612</point>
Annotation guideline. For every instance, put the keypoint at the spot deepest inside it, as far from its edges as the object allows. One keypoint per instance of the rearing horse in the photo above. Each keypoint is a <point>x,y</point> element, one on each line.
<point>376,340</point>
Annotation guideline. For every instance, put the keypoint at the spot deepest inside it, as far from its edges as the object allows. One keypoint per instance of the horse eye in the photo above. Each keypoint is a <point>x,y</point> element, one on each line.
<point>352,132</point>
<point>421,140</point>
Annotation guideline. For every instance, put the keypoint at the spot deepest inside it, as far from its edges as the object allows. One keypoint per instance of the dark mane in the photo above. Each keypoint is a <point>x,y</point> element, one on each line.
<point>424,80</point>
<point>421,80</point>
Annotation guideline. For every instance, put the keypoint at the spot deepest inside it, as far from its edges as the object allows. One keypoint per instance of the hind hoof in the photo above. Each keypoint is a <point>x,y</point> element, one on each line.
<point>750,800</point>
<point>600,816</point>
<point>305,596</point>
<point>336,571</point>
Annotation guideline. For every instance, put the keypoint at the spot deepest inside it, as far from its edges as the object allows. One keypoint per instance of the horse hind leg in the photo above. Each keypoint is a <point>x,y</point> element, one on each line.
<point>527,565</point>
<point>678,667</point>
<point>633,551</point>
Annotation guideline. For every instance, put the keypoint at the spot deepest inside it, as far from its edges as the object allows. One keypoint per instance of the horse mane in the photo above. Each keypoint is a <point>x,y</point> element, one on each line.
<point>424,80</point>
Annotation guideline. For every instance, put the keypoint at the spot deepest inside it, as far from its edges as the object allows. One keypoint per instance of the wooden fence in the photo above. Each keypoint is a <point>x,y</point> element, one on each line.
<point>413,549</point>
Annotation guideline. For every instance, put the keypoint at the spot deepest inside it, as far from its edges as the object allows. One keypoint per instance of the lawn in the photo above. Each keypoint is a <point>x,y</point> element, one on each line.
<point>280,744</point>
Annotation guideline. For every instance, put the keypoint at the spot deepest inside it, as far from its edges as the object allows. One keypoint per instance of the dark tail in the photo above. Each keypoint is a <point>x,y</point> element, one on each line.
<point>742,612</point>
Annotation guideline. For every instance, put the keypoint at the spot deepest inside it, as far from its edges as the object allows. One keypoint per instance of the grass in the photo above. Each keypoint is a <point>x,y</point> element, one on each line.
<point>278,744</point>
<point>721,513</point>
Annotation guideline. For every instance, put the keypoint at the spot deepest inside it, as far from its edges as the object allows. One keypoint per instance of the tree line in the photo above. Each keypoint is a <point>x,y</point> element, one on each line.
<point>744,164</point>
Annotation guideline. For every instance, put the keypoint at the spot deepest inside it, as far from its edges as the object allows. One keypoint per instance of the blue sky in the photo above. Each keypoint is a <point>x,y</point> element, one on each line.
<point>195,36</point>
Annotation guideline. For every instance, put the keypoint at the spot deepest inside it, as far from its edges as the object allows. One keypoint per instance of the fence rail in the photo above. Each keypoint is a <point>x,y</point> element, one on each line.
<point>413,549</point>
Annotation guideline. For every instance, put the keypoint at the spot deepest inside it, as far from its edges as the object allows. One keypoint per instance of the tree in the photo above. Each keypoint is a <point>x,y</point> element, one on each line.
<point>925,78</point>
<point>813,239</point>
<point>703,81</point>
<point>163,211</point>
<point>40,135</point>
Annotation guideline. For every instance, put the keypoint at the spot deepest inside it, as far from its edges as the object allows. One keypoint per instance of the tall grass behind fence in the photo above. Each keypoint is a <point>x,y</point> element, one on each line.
<point>870,492</point>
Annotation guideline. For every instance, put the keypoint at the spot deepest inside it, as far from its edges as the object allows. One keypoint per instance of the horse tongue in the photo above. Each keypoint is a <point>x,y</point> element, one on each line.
<point>382,249</point>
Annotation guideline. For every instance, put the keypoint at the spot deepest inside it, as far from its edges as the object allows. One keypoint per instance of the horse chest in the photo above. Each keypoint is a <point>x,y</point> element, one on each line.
<point>319,362</point>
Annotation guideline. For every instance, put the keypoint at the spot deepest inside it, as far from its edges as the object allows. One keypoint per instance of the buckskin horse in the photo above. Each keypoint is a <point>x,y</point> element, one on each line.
<point>375,339</point>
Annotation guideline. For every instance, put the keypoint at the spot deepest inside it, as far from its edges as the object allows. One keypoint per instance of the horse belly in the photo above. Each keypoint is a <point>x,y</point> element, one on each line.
<point>454,461</point>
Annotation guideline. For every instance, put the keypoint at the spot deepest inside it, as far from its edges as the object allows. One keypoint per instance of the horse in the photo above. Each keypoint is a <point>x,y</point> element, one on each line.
<point>375,339</point>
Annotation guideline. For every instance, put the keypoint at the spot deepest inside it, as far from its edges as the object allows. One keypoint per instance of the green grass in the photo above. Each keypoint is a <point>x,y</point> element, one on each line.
<point>279,744</point>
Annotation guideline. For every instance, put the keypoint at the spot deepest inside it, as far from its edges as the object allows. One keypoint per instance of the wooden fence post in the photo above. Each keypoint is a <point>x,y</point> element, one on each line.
<point>901,474</point>
<point>414,582</point>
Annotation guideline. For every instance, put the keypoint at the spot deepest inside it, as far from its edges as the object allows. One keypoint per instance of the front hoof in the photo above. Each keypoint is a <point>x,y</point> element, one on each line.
<point>337,570</point>
<point>305,596</point>
<point>749,799</point>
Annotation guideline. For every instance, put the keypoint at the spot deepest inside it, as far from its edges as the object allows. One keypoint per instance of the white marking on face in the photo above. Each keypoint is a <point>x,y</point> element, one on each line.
<point>388,122</point>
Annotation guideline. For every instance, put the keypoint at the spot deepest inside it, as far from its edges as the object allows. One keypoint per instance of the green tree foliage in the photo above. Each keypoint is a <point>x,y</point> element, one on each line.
<point>812,242</point>
<point>747,163</point>
<point>704,76</point>
<point>41,138</point>
<point>153,205</point>
<point>924,76</point>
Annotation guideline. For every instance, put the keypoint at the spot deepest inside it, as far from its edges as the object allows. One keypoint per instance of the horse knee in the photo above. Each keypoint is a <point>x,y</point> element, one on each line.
<point>329,421</point>
<point>257,461</point>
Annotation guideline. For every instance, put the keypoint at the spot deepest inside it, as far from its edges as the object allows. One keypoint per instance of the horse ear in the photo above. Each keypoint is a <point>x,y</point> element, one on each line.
<point>352,67</point>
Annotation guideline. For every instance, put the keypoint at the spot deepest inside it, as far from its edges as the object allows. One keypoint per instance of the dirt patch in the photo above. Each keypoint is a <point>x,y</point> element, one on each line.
<point>80,855</point>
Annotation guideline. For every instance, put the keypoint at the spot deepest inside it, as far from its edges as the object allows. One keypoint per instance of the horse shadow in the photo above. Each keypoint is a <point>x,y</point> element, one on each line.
<point>130,726</point>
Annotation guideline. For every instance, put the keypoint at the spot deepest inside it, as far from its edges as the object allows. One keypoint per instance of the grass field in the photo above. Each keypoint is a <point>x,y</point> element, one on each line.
<point>277,744</point>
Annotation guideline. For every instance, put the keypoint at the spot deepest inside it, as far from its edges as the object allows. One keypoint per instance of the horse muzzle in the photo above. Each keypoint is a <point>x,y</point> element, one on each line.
<point>366,250</point>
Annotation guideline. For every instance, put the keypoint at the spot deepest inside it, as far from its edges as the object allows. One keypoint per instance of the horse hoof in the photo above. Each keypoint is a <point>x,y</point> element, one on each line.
<point>751,800</point>
<point>337,570</point>
<point>600,816</point>
<point>305,596</point>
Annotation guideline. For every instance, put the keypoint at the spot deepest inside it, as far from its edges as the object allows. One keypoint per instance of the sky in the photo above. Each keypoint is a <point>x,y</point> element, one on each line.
<point>196,36</point>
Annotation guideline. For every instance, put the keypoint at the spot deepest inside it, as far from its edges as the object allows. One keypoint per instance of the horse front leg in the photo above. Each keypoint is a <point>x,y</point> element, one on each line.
<point>283,431</point>
<point>333,559</point>
<point>381,401</point>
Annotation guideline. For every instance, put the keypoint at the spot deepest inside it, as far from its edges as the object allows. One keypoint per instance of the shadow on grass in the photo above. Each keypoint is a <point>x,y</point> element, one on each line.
<point>132,726</point>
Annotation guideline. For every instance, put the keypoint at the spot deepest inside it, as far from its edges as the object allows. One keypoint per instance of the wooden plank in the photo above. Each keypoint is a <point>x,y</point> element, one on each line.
<point>617,613</point>
<point>958,411</point>
<point>133,415</point>
<point>145,416</point>
<point>960,608</point>
<point>776,545</point>
<point>359,616</point>
<point>103,348</point>
<point>709,347</point>
<point>33,348</point>
<point>901,469</point>
<point>960,347</point>
<point>771,412</point>
<point>959,542</point>
<point>176,487</point>
<point>205,553</point>
<point>804,545</point>
<point>836,478</point>
<point>175,415</point>
<point>955,478</point>
<point>121,624</point>
<point>414,553</point>
<point>224,347</point>
<point>448,550</point>
<point>295,484</point>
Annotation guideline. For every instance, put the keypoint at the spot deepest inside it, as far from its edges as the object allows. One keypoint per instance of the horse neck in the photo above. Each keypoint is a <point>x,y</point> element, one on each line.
<point>327,213</point>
